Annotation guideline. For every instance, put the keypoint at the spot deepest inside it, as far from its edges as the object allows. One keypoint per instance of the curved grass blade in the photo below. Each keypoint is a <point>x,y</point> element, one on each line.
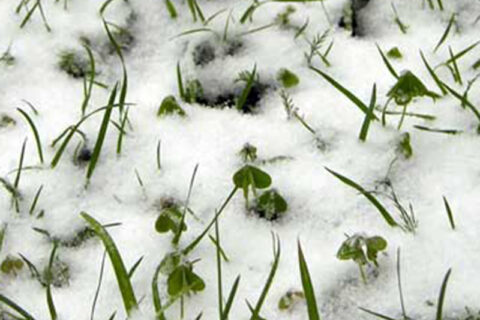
<point>246,91</point>
<point>101,134</point>
<point>445,34</point>
<point>268,283</point>
<point>132,270</point>
<point>449,213</point>
<point>464,101</point>
<point>99,285</point>
<point>88,90</point>
<point>231,298</point>
<point>171,9</point>
<point>307,285</point>
<point>16,307</point>
<point>124,284</point>
<point>433,75</point>
<point>346,92</point>
<point>387,63</point>
<point>441,296</point>
<point>371,107</point>
<point>35,200</point>
<point>381,209</point>
<point>157,303</point>
<point>51,306</point>
<point>20,165</point>
<point>35,133</point>
<point>378,315</point>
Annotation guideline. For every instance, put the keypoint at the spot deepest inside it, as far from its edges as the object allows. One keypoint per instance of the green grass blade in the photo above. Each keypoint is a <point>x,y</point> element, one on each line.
<point>307,285</point>
<point>122,132</point>
<point>197,240</point>
<point>159,155</point>
<point>378,315</point>
<point>88,90</point>
<point>124,284</point>
<point>449,213</point>
<point>381,209</point>
<point>101,134</point>
<point>29,14</point>
<point>433,75</point>
<point>461,53</point>
<point>366,121</point>
<point>219,270</point>
<point>132,270</point>
<point>35,133</point>
<point>464,101</point>
<point>445,34</point>
<point>51,306</point>
<point>456,71</point>
<point>387,63</point>
<point>268,283</point>
<point>231,299</point>
<point>99,285</point>
<point>3,231</point>
<point>35,200</point>
<point>171,9</point>
<point>248,87</point>
<point>441,296</point>
<point>20,165</point>
<point>346,92</point>
<point>15,307</point>
<point>181,90</point>
<point>157,303</point>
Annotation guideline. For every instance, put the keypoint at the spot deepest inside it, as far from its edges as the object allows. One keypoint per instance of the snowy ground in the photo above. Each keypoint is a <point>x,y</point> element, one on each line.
<point>321,209</point>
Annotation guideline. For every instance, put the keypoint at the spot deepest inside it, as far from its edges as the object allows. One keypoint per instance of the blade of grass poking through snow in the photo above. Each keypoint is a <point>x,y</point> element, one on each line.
<point>378,315</point>
<point>176,239</point>
<point>101,135</point>
<point>132,270</point>
<point>3,230</point>
<point>246,91</point>
<point>231,299</point>
<point>464,101</point>
<point>436,130</point>
<point>461,53</point>
<point>445,34</point>
<point>307,285</point>
<point>455,71</point>
<point>124,284</point>
<point>88,88</point>
<point>35,133</point>
<point>197,240</point>
<point>433,75</point>
<point>441,296</point>
<point>35,200</point>
<point>99,285</point>
<point>381,209</point>
<point>219,270</point>
<point>387,63</point>
<point>366,122</point>
<point>159,154</point>
<point>271,276</point>
<point>171,9</point>
<point>400,291</point>
<point>346,92</point>
<point>181,90</point>
<point>15,307</point>
<point>51,306</point>
<point>157,303</point>
<point>122,131</point>
<point>449,213</point>
<point>20,165</point>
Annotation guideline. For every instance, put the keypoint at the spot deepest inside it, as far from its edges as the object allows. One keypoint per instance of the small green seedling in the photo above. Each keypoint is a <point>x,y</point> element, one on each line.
<point>394,53</point>
<point>270,205</point>
<point>404,148</point>
<point>7,58</point>
<point>250,177</point>
<point>73,64</point>
<point>289,299</point>
<point>183,280</point>
<point>57,273</point>
<point>248,153</point>
<point>170,219</point>
<point>11,265</point>
<point>6,121</point>
<point>170,106</point>
<point>362,250</point>
<point>408,87</point>
<point>287,78</point>
<point>193,91</point>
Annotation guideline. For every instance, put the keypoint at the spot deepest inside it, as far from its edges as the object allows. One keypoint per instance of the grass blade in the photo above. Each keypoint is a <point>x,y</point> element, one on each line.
<point>157,303</point>
<point>445,34</point>
<point>51,306</point>
<point>35,133</point>
<point>171,9</point>
<point>132,270</point>
<point>99,285</point>
<point>433,75</point>
<point>231,298</point>
<point>381,209</point>
<point>16,307</point>
<point>35,200</point>
<point>449,213</point>
<point>378,315</point>
<point>346,92</point>
<point>181,90</point>
<point>464,101</point>
<point>387,63</point>
<point>456,72</point>
<point>441,296</point>
<point>268,283</point>
<point>101,134</point>
<point>307,286</point>
<point>366,122</point>
<point>159,149</point>
<point>246,91</point>
<point>124,284</point>
<point>20,165</point>
<point>219,271</point>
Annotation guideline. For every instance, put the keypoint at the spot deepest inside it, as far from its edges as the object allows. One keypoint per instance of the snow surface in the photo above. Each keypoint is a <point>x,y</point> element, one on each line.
<point>321,208</point>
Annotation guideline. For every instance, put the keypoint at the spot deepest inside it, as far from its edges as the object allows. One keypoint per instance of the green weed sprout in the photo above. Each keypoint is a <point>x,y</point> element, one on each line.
<point>394,53</point>
<point>287,78</point>
<point>11,265</point>
<point>170,106</point>
<point>362,250</point>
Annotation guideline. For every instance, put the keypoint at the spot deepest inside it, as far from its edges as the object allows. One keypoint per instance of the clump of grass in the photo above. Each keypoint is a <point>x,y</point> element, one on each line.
<point>362,250</point>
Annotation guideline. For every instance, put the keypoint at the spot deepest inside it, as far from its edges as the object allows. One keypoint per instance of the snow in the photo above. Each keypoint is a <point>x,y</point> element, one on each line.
<point>321,208</point>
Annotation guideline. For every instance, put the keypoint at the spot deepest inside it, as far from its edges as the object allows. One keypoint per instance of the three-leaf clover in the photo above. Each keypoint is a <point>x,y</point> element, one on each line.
<point>170,219</point>
<point>251,177</point>
<point>183,280</point>
<point>271,205</point>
